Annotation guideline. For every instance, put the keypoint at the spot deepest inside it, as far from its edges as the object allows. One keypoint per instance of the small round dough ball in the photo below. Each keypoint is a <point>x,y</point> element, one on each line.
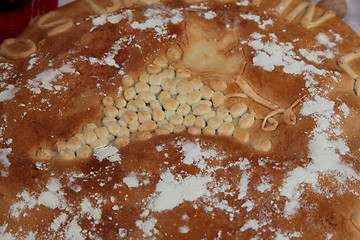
<point>200,122</point>
<point>246,121</point>
<point>141,136</point>
<point>238,109</point>
<point>261,144</point>
<point>218,85</point>
<point>67,155</point>
<point>215,122</point>
<point>134,127</point>
<point>83,152</point>
<point>120,103</point>
<point>155,80</point>
<point>194,97</point>
<point>168,73</point>
<point>73,143</point>
<point>107,120</point>
<point>155,104</point>
<point>155,89</point>
<point>183,109</point>
<point>163,95</point>
<point>201,109</point>
<point>161,61</point>
<point>44,154</point>
<point>162,131</point>
<point>122,141</point>
<point>207,93</point>
<point>127,81</point>
<point>144,116</point>
<point>241,135</point>
<point>184,86</point>
<point>168,84</point>
<point>176,119</point>
<point>114,128</point>
<point>60,145</point>
<point>169,126</point>
<point>89,126</point>
<point>102,132</point>
<point>158,115</point>
<point>153,69</point>
<point>123,131</point>
<point>108,101</point>
<point>129,117</point>
<point>197,83</point>
<point>174,54</point>
<point>148,126</point>
<point>141,87</point>
<point>194,130</point>
<point>129,94</point>
<point>226,129</point>
<point>90,136</point>
<point>144,77</point>
<point>170,104</point>
<point>208,130</point>
<point>182,98</point>
<point>179,128</point>
<point>147,97</point>
<point>111,111</point>
<point>218,99</point>
<point>189,120</point>
<point>99,142</point>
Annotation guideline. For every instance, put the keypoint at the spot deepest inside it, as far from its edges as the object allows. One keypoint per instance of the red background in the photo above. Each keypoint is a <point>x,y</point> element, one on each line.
<point>12,23</point>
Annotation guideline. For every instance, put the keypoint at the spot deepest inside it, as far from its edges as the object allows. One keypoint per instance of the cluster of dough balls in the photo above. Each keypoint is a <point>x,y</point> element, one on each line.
<point>163,100</point>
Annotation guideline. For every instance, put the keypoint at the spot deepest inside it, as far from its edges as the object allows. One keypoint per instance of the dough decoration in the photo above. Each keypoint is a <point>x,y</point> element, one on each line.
<point>58,26</point>
<point>308,20</point>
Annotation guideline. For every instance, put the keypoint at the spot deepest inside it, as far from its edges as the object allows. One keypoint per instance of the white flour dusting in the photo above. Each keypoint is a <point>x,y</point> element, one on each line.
<point>4,161</point>
<point>47,78</point>
<point>273,54</point>
<point>158,19</point>
<point>131,180</point>
<point>324,153</point>
<point>261,24</point>
<point>107,152</point>
<point>195,154</point>
<point>8,92</point>
<point>172,192</point>
<point>210,15</point>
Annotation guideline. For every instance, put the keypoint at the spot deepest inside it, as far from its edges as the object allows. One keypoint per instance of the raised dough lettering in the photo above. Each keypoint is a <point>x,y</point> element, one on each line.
<point>60,25</point>
<point>7,52</point>
<point>115,5</point>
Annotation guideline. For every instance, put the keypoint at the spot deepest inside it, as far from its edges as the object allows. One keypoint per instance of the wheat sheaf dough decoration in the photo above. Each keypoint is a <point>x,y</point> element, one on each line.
<point>307,21</point>
<point>179,93</point>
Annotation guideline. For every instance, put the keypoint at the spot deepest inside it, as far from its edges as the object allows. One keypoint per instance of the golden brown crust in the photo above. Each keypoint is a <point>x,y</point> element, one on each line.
<point>216,120</point>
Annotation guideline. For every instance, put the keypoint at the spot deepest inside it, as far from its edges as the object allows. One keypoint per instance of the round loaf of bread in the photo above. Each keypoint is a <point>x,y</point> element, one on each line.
<point>186,119</point>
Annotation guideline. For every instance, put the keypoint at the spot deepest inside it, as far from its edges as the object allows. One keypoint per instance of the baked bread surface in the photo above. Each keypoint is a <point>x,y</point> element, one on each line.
<point>181,120</point>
